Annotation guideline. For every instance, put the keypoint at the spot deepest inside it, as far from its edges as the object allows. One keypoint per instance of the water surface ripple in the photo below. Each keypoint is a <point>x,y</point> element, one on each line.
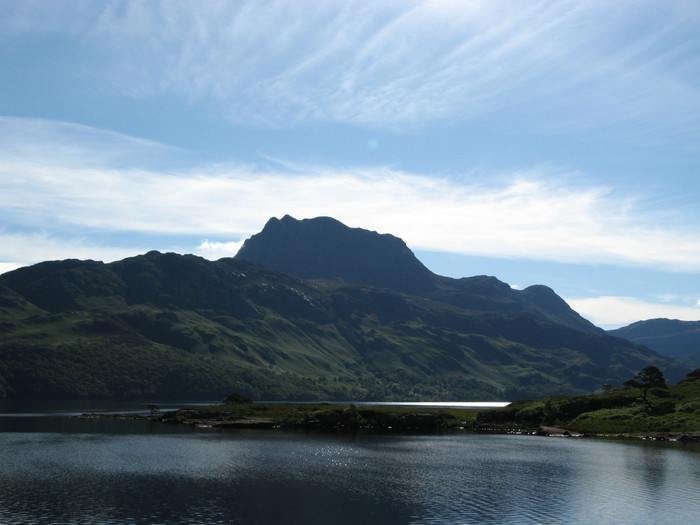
<point>277,477</point>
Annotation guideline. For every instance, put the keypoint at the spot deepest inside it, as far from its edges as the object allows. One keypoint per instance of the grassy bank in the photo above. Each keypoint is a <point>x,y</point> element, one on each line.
<point>675,409</point>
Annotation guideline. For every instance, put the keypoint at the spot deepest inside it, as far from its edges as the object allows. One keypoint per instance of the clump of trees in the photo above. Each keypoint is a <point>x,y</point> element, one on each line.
<point>650,377</point>
<point>236,399</point>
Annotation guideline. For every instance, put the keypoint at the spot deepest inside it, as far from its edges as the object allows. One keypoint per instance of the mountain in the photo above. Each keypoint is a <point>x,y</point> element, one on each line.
<point>324,248</point>
<point>679,340</point>
<point>163,325</point>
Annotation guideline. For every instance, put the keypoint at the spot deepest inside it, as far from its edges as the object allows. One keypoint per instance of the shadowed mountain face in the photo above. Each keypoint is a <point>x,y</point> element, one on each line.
<point>679,340</point>
<point>179,326</point>
<point>325,248</point>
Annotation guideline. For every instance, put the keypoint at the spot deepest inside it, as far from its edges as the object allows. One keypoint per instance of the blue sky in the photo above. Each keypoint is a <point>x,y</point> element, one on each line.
<point>543,142</point>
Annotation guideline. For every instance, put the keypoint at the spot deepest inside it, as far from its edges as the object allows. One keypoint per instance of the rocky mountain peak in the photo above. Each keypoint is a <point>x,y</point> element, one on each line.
<point>326,248</point>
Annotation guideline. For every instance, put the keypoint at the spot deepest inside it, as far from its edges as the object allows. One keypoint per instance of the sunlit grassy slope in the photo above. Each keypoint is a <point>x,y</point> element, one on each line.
<point>672,409</point>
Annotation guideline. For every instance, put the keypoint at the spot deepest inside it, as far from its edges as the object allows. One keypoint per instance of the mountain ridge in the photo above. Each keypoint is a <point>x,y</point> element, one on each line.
<point>163,325</point>
<point>325,248</point>
<point>673,338</point>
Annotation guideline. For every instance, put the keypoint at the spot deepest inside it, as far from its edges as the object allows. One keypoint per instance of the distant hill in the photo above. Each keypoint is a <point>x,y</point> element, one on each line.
<point>679,340</point>
<point>181,327</point>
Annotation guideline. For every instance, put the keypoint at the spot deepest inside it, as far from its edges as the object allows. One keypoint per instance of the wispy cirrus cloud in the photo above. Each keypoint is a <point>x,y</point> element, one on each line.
<point>541,65</point>
<point>541,213</point>
<point>35,139</point>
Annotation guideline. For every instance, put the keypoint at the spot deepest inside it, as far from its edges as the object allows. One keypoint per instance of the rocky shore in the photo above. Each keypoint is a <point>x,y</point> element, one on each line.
<point>680,437</point>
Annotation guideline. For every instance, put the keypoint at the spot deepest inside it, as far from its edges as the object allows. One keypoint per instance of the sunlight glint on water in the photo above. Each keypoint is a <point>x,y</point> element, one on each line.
<point>271,477</point>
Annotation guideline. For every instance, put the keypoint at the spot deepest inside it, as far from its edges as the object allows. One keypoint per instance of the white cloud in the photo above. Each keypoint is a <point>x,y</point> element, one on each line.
<point>8,267</point>
<point>538,214</point>
<point>613,312</point>
<point>213,250</point>
<point>23,249</point>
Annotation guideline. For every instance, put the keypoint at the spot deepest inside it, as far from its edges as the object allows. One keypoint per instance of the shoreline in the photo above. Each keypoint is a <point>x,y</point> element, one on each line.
<point>351,418</point>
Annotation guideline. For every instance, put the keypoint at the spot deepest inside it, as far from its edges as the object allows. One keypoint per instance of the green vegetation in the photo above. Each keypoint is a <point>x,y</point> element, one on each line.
<point>675,408</point>
<point>166,326</point>
<point>236,399</point>
<point>650,377</point>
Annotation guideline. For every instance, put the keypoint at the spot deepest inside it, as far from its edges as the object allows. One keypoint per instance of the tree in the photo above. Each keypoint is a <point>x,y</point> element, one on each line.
<point>236,399</point>
<point>650,377</point>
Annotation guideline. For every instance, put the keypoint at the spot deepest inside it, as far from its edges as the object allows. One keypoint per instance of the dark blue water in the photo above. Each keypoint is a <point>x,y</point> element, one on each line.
<point>135,472</point>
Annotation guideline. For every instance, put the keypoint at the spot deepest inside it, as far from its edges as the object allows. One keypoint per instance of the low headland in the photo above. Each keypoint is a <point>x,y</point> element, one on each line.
<point>646,408</point>
<point>662,413</point>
